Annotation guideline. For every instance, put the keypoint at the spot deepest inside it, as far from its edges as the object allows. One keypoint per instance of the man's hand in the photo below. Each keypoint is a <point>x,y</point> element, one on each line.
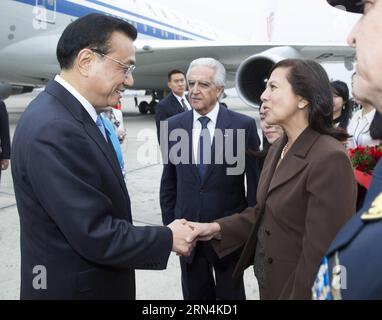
<point>204,231</point>
<point>182,240</point>
<point>4,164</point>
<point>121,133</point>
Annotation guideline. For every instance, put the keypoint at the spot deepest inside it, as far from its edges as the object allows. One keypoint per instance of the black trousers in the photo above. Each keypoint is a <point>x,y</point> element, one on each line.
<point>199,283</point>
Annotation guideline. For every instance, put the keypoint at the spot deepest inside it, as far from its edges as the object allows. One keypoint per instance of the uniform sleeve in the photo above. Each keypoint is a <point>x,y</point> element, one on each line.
<point>66,181</point>
<point>331,203</point>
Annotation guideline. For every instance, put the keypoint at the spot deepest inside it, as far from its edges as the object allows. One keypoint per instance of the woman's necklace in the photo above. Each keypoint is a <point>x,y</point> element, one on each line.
<point>283,151</point>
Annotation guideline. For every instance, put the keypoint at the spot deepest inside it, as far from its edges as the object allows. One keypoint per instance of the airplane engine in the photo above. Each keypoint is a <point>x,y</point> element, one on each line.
<point>7,89</point>
<point>253,72</point>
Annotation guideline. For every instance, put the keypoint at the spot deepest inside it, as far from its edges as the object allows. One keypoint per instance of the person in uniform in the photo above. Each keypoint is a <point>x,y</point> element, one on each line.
<point>353,262</point>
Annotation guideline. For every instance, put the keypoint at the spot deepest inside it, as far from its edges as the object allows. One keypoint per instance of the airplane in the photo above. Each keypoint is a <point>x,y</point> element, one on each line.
<point>166,40</point>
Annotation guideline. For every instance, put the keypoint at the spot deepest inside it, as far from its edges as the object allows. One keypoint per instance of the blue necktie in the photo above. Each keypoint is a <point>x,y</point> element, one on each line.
<point>101,127</point>
<point>109,127</point>
<point>204,147</point>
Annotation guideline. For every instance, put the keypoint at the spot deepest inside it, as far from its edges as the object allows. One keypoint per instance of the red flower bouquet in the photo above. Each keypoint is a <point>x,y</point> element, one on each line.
<point>364,159</point>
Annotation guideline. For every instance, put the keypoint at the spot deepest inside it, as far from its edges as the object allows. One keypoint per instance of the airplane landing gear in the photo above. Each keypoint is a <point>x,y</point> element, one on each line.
<point>145,107</point>
<point>152,105</point>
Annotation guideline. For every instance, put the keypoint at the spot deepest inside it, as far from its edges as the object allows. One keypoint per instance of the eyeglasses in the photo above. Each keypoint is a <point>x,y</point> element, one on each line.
<point>128,69</point>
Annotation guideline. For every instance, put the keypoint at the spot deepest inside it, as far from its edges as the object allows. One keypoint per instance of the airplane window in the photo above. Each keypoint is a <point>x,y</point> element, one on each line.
<point>145,28</point>
<point>154,30</point>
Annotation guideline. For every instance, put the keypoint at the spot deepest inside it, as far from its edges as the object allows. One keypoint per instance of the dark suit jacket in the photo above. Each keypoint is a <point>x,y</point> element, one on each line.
<point>303,203</point>
<point>74,207</point>
<point>359,249</point>
<point>184,195</point>
<point>5,152</point>
<point>166,108</point>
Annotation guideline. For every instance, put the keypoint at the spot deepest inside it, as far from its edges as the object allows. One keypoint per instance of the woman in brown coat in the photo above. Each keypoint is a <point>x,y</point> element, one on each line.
<point>306,190</point>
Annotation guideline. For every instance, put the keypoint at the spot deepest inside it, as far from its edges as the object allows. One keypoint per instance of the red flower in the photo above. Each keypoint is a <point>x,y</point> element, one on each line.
<point>365,158</point>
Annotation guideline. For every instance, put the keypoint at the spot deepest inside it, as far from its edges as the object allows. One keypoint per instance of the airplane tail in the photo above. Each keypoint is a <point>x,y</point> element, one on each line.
<point>301,21</point>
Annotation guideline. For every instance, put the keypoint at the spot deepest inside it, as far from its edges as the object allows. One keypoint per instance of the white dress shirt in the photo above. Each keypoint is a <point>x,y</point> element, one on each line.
<point>85,103</point>
<point>359,129</point>
<point>197,126</point>
<point>185,100</point>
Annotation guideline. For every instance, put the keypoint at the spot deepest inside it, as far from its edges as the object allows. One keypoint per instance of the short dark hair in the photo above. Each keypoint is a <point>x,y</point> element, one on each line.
<point>310,81</point>
<point>91,31</point>
<point>340,88</point>
<point>174,71</point>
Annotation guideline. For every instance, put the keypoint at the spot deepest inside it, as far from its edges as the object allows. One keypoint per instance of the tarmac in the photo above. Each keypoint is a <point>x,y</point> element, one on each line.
<point>144,169</point>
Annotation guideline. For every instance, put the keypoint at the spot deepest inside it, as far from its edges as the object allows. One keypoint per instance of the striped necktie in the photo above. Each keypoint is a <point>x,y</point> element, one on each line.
<point>184,105</point>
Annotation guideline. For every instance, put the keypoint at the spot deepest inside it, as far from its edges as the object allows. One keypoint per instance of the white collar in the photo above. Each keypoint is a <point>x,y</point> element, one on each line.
<point>213,114</point>
<point>184,99</point>
<point>368,116</point>
<point>85,103</point>
<point>179,97</point>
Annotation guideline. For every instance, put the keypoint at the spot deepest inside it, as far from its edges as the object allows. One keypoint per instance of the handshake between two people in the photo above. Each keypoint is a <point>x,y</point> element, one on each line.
<point>185,234</point>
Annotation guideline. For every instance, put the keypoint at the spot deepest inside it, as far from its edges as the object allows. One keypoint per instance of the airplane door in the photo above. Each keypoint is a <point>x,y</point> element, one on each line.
<point>46,11</point>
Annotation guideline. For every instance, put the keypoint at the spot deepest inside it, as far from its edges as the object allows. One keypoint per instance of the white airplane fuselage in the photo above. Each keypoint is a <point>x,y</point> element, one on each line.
<point>166,40</point>
<point>31,29</point>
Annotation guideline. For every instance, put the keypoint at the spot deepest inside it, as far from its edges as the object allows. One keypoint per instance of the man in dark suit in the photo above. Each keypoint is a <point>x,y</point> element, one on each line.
<point>203,182</point>
<point>175,102</point>
<point>5,142</point>
<point>77,237</point>
<point>353,262</point>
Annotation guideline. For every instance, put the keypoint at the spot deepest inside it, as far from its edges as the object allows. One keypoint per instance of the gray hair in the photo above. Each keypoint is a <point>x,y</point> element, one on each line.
<point>219,77</point>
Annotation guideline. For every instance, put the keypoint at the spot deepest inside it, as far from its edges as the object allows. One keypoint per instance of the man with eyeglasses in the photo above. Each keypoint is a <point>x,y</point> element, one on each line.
<point>175,102</point>
<point>77,237</point>
<point>353,263</point>
<point>128,69</point>
<point>208,181</point>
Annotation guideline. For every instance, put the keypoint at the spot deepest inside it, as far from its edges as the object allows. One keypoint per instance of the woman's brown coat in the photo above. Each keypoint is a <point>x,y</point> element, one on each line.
<point>303,202</point>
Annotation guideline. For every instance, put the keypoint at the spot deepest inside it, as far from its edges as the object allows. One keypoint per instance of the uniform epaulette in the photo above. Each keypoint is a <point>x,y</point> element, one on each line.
<point>375,210</point>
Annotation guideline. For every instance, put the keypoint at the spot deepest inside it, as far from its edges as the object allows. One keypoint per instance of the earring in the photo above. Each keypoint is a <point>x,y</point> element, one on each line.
<point>343,107</point>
